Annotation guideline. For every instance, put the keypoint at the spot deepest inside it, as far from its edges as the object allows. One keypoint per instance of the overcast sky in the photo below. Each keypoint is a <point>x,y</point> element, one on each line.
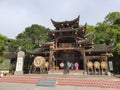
<point>16,15</point>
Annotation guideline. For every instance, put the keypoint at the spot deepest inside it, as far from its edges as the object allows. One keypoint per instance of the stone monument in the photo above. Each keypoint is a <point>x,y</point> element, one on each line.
<point>19,64</point>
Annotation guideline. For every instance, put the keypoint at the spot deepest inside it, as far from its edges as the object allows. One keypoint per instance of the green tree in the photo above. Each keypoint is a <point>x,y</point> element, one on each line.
<point>90,32</point>
<point>113,20</point>
<point>30,38</point>
<point>3,40</point>
<point>108,31</point>
<point>112,17</point>
<point>101,35</point>
<point>117,21</point>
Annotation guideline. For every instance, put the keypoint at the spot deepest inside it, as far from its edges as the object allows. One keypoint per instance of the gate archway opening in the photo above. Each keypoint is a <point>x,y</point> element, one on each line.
<point>72,56</point>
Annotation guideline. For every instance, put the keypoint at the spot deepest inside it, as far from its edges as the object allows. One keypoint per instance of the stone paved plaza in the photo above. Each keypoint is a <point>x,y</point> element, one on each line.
<point>12,86</point>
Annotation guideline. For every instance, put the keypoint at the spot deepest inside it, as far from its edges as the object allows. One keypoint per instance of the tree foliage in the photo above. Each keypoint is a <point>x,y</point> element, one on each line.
<point>30,38</point>
<point>108,31</point>
<point>112,17</point>
<point>3,40</point>
<point>90,33</point>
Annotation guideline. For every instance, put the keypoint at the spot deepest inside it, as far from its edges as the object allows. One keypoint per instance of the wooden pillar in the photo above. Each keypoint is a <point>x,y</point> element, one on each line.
<point>106,59</point>
<point>84,60</point>
<point>56,44</point>
<point>50,60</point>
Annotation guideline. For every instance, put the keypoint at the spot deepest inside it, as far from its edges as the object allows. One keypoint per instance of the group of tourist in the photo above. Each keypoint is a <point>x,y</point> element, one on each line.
<point>68,65</point>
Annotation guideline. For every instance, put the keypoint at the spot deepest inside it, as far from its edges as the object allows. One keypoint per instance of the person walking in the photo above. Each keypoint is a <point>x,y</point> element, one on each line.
<point>76,66</point>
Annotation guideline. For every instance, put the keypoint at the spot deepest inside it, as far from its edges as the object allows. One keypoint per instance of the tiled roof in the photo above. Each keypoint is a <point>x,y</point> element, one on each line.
<point>101,48</point>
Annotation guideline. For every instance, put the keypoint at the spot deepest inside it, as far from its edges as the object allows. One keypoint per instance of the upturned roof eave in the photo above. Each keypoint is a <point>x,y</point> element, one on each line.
<point>104,49</point>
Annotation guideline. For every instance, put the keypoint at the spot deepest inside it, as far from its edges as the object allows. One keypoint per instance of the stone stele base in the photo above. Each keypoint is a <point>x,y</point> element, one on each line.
<point>18,73</point>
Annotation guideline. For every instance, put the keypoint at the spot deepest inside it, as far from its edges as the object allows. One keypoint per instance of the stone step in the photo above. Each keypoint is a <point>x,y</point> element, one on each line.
<point>71,72</point>
<point>45,82</point>
<point>89,83</point>
<point>63,81</point>
<point>13,79</point>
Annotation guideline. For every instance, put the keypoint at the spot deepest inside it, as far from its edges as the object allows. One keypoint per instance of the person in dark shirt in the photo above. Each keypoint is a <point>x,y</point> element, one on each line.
<point>66,69</point>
